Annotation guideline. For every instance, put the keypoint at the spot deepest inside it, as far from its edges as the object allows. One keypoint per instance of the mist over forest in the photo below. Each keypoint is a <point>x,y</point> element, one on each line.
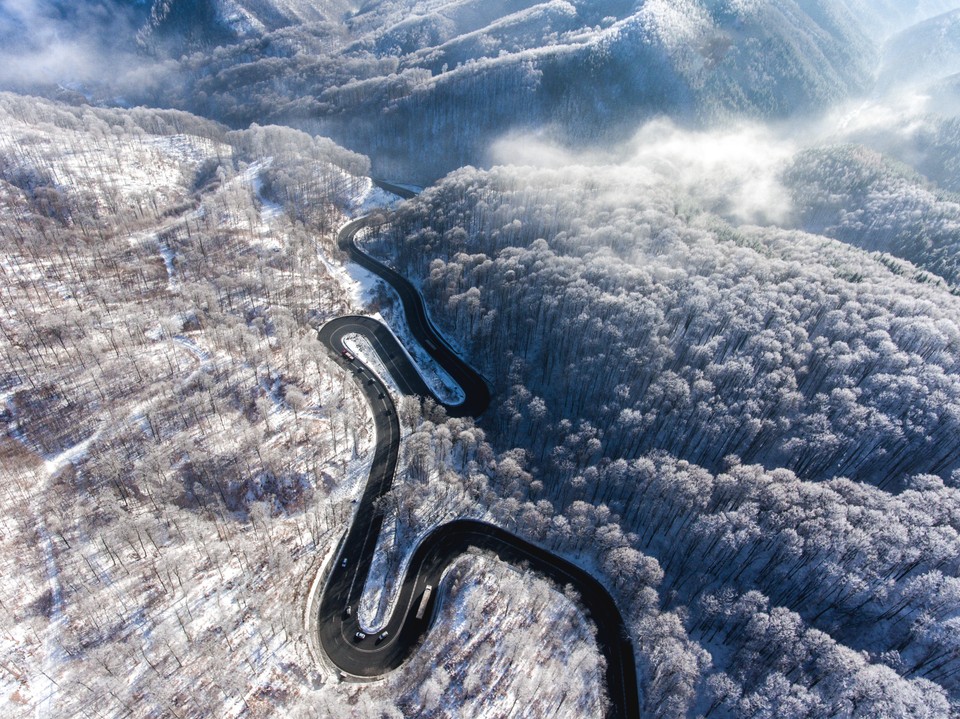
<point>705,253</point>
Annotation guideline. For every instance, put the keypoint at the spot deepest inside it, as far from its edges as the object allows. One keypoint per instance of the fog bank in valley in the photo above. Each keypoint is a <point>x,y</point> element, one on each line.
<point>734,171</point>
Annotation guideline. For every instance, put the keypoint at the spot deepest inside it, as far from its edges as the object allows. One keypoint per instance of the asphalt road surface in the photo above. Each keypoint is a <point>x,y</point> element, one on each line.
<point>372,655</point>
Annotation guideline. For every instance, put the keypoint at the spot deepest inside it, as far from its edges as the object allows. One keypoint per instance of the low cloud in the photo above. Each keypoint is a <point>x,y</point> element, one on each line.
<point>737,171</point>
<point>903,112</point>
<point>734,171</point>
<point>45,43</point>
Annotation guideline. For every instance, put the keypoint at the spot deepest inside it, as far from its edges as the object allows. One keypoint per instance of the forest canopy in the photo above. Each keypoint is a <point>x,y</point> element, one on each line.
<point>709,270</point>
<point>770,415</point>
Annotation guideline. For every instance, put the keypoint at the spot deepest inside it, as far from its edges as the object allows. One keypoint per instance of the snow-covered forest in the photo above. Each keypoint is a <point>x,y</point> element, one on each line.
<point>706,253</point>
<point>771,416</point>
<point>422,87</point>
<point>178,451</point>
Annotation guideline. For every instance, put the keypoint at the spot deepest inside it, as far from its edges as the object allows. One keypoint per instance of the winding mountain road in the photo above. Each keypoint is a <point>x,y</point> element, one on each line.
<point>338,626</point>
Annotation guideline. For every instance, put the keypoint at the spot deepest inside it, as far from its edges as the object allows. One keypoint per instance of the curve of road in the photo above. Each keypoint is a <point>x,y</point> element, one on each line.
<point>378,652</point>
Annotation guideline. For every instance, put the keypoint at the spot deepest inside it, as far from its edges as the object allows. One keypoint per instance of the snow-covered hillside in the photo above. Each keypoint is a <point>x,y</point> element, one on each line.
<point>177,453</point>
<point>422,87</point>
<point>450,76</point>
<point>925,52</point>
<point>756,426</point>
<point>706,254</point>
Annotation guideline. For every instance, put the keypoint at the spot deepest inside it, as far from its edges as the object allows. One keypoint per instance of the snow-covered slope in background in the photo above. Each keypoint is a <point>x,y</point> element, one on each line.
<point>423,87</point>
<point>927,51</point>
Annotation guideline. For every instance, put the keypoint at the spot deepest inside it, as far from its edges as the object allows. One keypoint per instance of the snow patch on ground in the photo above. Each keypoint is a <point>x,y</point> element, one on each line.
<point>269,210</point>
<point>370,198</point>
<point>189,149</point>
<point>53,655</point>
<point>168,259</point>
<point>375,199</point>
<point>363,350</point>
<point>379,591</point>
<point>437,379</point>
<point>54,465</point>
<point>193,348</point>
<point>360,283</point>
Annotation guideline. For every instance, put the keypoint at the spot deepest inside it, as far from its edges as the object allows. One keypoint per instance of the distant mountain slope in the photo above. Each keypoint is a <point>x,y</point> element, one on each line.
<point>437,80</point>
<point>856,195</point>
<point>202,19</point>
<point>423,87</point>
<point>927,51</point>
<point>881,18</point>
